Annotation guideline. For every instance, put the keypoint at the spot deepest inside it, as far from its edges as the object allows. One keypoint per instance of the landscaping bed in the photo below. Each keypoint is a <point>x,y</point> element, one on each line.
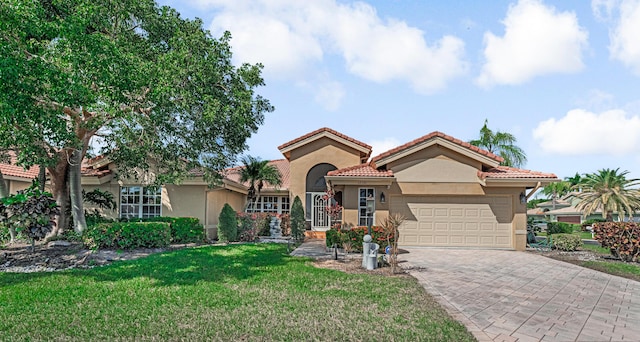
<point>62,255</point>
<point>596,258</point>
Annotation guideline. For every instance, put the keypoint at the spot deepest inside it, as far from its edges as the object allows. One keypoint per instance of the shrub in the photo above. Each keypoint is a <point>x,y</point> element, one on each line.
<point>285,224</point>
<point>227,224</point>
<point>297,220</point>
<point>186,230</point>
<point>622,238</point>
<point>93,218</point>
<point>128,235</point>
<point>356,235</point>
<point>262,221</point>
<point>248,228</point>
<point>333,237</point>
<point>183,229</point>
<point>567,242</point>
<point>561,228</point>
<point>30,211</point>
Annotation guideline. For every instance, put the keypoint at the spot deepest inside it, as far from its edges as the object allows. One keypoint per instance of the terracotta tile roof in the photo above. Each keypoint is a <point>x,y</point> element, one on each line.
<point>322,130</point>
<point>535,211</point>
<point>362,170</point>
<point>14,170</point>
<point>91,172</point>
<point>282,165</point>
<point>512,172</point>
<point>440,135</point>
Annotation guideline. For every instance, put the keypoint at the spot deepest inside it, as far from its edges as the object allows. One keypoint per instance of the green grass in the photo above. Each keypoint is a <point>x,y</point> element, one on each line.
<point>238,292</point>
<point>597,249</point>
<point>626,270</point>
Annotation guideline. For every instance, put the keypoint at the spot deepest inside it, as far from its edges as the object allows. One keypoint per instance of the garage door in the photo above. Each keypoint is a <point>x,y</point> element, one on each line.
<point>462,221</point>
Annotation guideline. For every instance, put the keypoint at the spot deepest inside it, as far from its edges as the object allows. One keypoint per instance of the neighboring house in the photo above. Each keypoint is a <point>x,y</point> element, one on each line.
<point>16,177</point>
<point>564,210</point>
<point>451,193</point>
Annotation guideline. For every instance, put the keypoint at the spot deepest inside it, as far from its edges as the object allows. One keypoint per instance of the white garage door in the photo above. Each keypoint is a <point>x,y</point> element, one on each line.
<point>462,221</point>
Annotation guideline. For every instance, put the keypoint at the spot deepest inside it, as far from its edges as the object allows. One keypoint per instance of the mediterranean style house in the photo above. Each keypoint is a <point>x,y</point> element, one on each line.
<point>451,194</point>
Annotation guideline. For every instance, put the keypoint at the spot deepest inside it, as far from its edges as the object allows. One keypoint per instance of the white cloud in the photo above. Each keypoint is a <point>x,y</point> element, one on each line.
<point>538,40</point>
<point>384,145</point>
<point>625,45</point>
<point>603,9</point>
<point>291,36</point>
<point>330,95</point>
<point>581,132</point>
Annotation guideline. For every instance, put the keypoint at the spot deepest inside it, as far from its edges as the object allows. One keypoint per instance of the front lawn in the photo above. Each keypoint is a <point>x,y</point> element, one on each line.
<point>238,292</point>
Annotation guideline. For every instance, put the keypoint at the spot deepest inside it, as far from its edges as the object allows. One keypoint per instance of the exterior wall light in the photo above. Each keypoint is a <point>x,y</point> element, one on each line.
<point>382,197</point>
<point>523,198</point>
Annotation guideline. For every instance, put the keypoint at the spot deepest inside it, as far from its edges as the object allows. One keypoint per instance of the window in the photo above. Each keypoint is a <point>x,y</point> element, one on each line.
<point>366,206</point>
<point>271,204</point>
<point>142,202</point>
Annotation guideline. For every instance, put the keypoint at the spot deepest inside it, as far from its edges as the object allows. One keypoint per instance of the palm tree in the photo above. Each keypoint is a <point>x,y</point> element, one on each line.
<point>502,144</point>
<point>610,191</point>
<point>258,172</point>
<point>574,181</point>
<point>556,190</point>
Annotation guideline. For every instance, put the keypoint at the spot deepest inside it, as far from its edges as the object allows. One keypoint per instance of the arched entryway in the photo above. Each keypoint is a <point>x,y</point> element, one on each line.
<point>316,203</point>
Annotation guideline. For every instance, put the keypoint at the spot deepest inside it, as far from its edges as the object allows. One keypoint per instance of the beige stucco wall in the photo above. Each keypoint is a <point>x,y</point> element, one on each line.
<point>17,185</point>
<point>216,199</point>
<point>436,153</point>
<point>184,201</point>
<point>350,194</point>
<point>440,169</point>
<point>323,150</point>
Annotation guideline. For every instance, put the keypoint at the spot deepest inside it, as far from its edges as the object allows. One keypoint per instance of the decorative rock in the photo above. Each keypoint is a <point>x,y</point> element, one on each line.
<point>59,243</point>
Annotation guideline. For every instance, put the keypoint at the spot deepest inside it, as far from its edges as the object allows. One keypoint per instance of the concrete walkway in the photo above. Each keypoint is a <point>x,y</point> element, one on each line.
<point>520,296</point>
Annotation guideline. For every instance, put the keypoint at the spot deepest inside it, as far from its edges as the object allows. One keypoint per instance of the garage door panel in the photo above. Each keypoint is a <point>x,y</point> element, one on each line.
<point>470,221</point>
<point>441,212</point>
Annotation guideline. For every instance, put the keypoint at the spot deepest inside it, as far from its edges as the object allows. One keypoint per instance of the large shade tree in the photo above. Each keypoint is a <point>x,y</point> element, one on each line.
<point>610,191</point>
<point>258,172</point>
<point>502,144</point>
<point>158,90</point>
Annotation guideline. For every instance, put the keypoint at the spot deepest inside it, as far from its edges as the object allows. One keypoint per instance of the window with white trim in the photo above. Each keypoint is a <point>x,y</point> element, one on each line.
<point>365,216</point>
<point>140,202</point>
<point>270,204</point>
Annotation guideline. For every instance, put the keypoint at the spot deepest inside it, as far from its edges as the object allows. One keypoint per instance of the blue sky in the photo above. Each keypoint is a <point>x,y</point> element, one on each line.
<point>562,76</point>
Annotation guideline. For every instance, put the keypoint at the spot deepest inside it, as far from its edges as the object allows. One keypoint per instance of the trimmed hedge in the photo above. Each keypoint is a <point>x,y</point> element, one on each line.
<point>356,236</point>
<point>622,239</point>
<point>567,242</point>
<point>562,228</point>
<point>183,229</point>
<point>128,235</point>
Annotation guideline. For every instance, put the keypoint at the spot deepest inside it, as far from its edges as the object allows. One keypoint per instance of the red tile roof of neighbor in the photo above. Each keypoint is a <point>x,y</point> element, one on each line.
<point>512,172</point>
<point>440,135</point>
<point>322,130</point>
<point>362,170</point>
<point>14,170</point>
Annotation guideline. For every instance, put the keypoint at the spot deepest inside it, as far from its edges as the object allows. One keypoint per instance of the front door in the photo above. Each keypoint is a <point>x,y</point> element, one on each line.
<point>319,216</point>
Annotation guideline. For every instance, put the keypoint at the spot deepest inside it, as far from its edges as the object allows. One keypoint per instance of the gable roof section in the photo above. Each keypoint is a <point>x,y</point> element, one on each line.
<point>437,138</point>
<point>364,149</point>
<point>362,170</point>
<point>505,172</point>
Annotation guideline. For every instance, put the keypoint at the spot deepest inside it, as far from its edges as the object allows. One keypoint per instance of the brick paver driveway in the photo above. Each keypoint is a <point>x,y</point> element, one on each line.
<point>520,296</point>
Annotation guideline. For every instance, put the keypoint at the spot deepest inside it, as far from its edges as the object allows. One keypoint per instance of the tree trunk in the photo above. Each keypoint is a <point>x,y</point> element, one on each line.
<point>60,193</point>
<point>75,178</point>
<point>42,177</point>
<point>4,192</point>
